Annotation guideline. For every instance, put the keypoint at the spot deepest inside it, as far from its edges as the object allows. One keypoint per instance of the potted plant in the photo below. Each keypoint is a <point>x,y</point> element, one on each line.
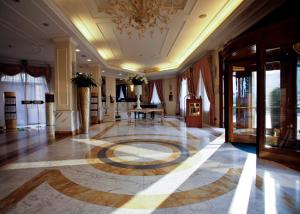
<point>84,83</point>
<point>137,80</point>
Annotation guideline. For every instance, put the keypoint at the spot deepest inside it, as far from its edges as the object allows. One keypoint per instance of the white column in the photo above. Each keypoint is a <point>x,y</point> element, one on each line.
<point>66,116</point>
<point>95,70</point>
<point>110,88</point>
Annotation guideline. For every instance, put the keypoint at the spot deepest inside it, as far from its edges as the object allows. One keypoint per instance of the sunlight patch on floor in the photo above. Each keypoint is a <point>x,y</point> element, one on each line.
<point>240,201</point>
<point>172,181</point>
<point>45,164</point>
<point>270,194</point>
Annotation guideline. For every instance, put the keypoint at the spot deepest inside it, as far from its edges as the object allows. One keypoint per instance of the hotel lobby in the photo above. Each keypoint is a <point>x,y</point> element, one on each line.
<point>141,106</point>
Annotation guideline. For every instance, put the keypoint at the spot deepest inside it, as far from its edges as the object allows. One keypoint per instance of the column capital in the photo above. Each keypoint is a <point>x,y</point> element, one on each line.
<point>65,39</point>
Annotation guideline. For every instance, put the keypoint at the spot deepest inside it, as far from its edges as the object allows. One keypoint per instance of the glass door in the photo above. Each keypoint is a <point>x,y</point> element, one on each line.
<point>242,99</point>
<point>282,98</point>
<point>244,103</point>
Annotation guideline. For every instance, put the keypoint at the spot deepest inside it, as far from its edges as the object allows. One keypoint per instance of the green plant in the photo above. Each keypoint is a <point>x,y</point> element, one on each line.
<point>83,80</point>
<point>136,79</point>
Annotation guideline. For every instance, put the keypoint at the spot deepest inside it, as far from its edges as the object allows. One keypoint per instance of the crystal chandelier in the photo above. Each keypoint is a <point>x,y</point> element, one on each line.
<point>140,15</point>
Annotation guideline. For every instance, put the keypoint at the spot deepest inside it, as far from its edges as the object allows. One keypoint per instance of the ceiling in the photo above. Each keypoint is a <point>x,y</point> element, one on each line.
<point>162,51</point>
<point>28,28</point>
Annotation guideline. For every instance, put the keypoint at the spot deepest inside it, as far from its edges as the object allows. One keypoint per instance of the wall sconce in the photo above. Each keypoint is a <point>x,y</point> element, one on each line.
<point>131,88</point>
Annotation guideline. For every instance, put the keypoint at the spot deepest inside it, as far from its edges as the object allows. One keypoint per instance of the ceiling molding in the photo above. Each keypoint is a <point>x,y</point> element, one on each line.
<point>47,15</point>
<point>19,33</point>
<point>7,60</point>
<point>65,39</point>
<point>79,37</point>
<point>25,18</point>
<point>176,38</point>
<point>173,58</point>
<point>192,7</point>
<point>164,42</point>
<point>238,21</point>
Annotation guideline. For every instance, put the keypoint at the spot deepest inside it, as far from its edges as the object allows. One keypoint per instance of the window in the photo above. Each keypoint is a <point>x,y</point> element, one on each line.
<point>121,96</point>
<point>205,101</point>
<point>26,88</point>
<point>155,98</point>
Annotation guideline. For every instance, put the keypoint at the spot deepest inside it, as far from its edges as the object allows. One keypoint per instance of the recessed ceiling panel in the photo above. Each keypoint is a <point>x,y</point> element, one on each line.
<point>186,30</point>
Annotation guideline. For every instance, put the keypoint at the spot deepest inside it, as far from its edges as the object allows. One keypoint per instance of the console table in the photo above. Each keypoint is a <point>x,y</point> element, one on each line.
<point>145,111</point>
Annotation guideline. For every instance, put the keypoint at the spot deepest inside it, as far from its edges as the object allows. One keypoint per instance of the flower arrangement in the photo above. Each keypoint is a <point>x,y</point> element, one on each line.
<point>136,79</point>
<point>83,80</point>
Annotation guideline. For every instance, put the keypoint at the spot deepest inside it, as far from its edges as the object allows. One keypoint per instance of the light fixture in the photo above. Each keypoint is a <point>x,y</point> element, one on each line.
<point>131,87</point>
<point>89,60</point>
<point>77,50</point>
<point>120,74</point>
<point>202,16</point>
<point>141,15</point>
<point>103,71</point>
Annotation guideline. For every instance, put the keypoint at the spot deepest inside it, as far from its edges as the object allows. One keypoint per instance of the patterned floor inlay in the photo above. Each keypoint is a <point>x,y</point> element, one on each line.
<point>102,157</point>
<point>143,169</point>
<point>63,185</point>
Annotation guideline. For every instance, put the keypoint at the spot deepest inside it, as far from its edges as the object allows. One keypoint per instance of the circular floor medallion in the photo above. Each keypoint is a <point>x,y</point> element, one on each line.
<point>183,154</point>
<point>109,157</point>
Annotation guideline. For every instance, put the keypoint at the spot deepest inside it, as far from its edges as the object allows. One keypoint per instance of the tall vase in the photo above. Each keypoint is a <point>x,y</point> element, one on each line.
<point>138,93</point>
<point>84,105</point>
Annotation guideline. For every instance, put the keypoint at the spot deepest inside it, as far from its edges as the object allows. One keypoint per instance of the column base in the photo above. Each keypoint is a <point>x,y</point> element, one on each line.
<point>66,122</point>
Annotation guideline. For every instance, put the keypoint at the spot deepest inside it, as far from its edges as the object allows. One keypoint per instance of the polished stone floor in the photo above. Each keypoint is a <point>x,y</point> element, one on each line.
<point>147,167</point>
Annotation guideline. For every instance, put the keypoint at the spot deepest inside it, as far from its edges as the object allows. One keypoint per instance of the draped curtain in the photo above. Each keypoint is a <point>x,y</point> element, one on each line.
<point>151,86</point>
<point>193,75</point>
<point>35,71</point>
<point>118,92</point>
<point>29,83</point>
<point>188,75</point>
<point>206,73</point>
<point>159,87</point>
<point>190,81</point>
<point>179,79</point>
<point>124,89</point>
<point>26,88</point>
<point>196,75</point>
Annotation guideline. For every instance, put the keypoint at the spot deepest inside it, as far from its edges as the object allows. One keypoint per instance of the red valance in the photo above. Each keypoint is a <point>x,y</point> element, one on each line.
<point>35,71</point>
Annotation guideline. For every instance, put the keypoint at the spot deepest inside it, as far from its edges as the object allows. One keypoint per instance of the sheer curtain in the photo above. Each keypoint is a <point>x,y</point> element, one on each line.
<point>26,87</point>
<point>205,100</point>
<point>155,98</point>
<point>183,93</point>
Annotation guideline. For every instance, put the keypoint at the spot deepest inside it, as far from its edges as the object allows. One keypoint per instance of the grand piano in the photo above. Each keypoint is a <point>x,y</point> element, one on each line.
<point>145,106</point>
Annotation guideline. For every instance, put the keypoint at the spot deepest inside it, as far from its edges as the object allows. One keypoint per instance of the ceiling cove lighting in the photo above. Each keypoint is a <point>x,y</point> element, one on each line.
<point>91,33</point>
<point>131,66</point>
<point>105,53</point>
<point>84,29</point>
<point>229,7</point>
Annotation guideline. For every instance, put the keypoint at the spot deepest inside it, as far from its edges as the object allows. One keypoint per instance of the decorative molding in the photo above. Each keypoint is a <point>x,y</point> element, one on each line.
<point>164,41</point>
<point>176,37</point>
<point>65,39</point>
<point>18,32</point>
<point>192,7</point>
<point>25,18</point>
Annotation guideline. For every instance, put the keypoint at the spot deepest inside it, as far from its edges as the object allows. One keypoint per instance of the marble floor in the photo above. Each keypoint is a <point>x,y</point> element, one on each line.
<point>147,167</point>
